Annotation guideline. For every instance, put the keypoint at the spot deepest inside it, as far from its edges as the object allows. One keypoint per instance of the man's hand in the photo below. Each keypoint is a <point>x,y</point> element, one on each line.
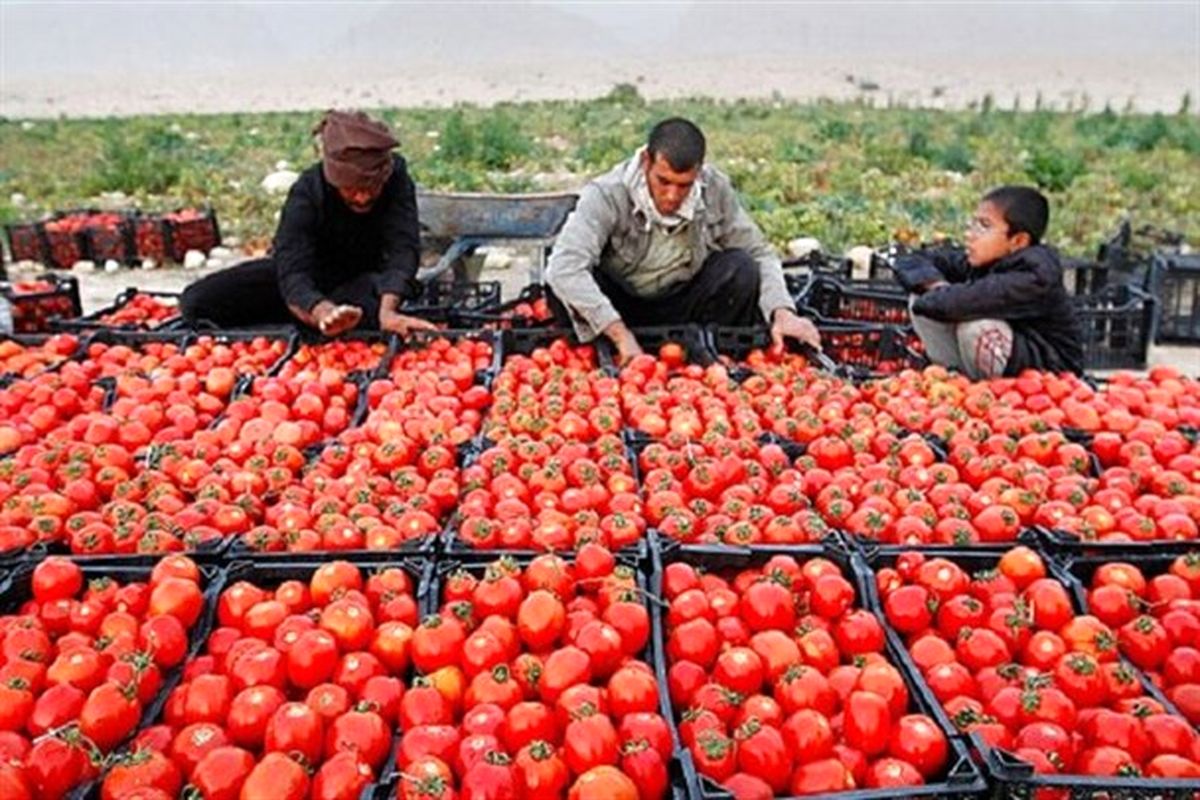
<point>789,324</point>
<point>401,323</point>
<point>333,319</point>
<point>625,342</point>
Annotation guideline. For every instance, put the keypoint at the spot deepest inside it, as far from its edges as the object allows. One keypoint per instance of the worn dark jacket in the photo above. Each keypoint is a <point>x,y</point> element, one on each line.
<point>321,243</point>
<point>1024,289</point>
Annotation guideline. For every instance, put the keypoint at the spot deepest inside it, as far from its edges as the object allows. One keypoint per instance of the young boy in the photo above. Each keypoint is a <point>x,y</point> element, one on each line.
<point>1001,307</point>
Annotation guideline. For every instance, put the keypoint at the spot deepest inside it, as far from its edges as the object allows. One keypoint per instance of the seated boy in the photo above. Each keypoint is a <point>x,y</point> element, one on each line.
<point>1001,307</point>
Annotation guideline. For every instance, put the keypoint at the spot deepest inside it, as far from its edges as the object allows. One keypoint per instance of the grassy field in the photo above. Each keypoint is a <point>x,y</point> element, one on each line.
<point>845,173</point>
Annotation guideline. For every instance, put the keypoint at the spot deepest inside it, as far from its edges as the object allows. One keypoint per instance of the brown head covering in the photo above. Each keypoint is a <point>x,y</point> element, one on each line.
<point>356,150</point>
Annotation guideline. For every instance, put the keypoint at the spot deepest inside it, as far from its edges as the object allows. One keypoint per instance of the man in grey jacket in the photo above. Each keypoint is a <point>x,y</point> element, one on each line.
<point>662,239</point>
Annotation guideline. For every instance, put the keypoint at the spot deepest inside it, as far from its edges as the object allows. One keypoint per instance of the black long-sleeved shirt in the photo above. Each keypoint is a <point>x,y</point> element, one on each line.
<point>321,243</point>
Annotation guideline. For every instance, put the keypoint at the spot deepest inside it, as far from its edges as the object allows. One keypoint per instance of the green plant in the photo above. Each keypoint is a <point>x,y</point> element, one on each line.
<point>1054,169</point>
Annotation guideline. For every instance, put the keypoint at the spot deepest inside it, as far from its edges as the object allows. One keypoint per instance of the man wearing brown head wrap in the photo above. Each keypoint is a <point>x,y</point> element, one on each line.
<point>346,249</point>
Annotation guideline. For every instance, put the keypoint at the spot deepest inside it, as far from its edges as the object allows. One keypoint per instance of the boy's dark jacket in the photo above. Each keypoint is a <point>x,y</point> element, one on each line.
<point>1025,289</point>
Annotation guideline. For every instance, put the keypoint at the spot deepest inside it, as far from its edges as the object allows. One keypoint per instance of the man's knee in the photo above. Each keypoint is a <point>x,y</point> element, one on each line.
<point>985,346</point>
<point>195,302</point>
<point>739,272</point>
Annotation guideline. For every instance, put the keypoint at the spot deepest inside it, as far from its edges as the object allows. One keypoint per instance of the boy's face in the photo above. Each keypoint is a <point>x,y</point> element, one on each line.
<point>988,238</point>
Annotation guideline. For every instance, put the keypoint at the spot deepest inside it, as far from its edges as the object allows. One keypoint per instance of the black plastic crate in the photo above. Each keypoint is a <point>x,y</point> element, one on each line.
<point>443,302</point>
<point>469,452</point>
<point>151,238</point>
<point>112,242</point>
<point>391,788</point>
<point>267,572</point>
<point>691,337</point>
<point>1176,285</point>
<point>523,341</point>
<point>287,334</point>
<point>452,547</point>
<point>1082,277</point>
<point>856,301</point>
<point>961,778</point>
<point>1011,776</point>
<point>26,241</point>
<point>1081,568</point>
<point>190,229</point>
<point>17,590</point>
<point>478,561</point>
<point>100,319</point>
<point>65,240</point>
<point>512,314</point>
<point>420,339</point>
<point>1065,543</point>
<point>306,336</point>
<point>211,552</point>
<point>41,302</point>
<point>818,264</point>
<point>869,350</point>
<point>268,575</point>
<point>1116,325</point>
<point>238,550</point>
<point>737,344</point>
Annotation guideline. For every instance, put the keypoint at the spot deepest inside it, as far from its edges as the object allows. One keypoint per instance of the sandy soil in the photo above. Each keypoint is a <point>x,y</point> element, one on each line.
<point>1148,83</point>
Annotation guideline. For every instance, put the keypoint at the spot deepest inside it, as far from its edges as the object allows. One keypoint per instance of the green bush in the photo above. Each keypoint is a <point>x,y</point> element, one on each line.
<point>501,142</point>
<point>1054,169</point>
<point>150,162</point>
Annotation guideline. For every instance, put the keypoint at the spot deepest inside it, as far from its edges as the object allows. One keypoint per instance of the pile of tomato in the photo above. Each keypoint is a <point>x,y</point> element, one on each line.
<point>1011,660</point>
<point>141,310</point>
<point>783,687</point>
<point>1155,620</point>
<point>80,661</point>
<point>534,675</point>
<point>26,360</point>
<point>296,693</point>
<point>535,683</point>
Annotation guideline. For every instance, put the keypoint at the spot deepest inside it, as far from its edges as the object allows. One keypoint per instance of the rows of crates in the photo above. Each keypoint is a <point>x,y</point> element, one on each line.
<point>1126,300</point>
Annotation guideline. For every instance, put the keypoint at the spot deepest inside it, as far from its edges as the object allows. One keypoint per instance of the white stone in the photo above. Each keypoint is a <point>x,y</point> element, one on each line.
<point>214,263</point>
<point>280,181</point>
<point>193,259</point>
<point>83,266</point>
<point>112,265</point>
<point>27,125</point>
<point>860,261</point>
<point>27,265</point>
<point>220,252</point>
<point>432,134</point>
<point>17,199</point>
<point>149,263</point>
<point>497,258</point>
<point>233,241</point>
<point>803,246</point>
<point>253,131</point>
<point>282,164</point>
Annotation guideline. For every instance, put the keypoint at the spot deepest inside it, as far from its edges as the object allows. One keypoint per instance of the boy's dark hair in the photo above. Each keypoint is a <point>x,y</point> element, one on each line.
<point>1025,210</point>
<point>679,141</point>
